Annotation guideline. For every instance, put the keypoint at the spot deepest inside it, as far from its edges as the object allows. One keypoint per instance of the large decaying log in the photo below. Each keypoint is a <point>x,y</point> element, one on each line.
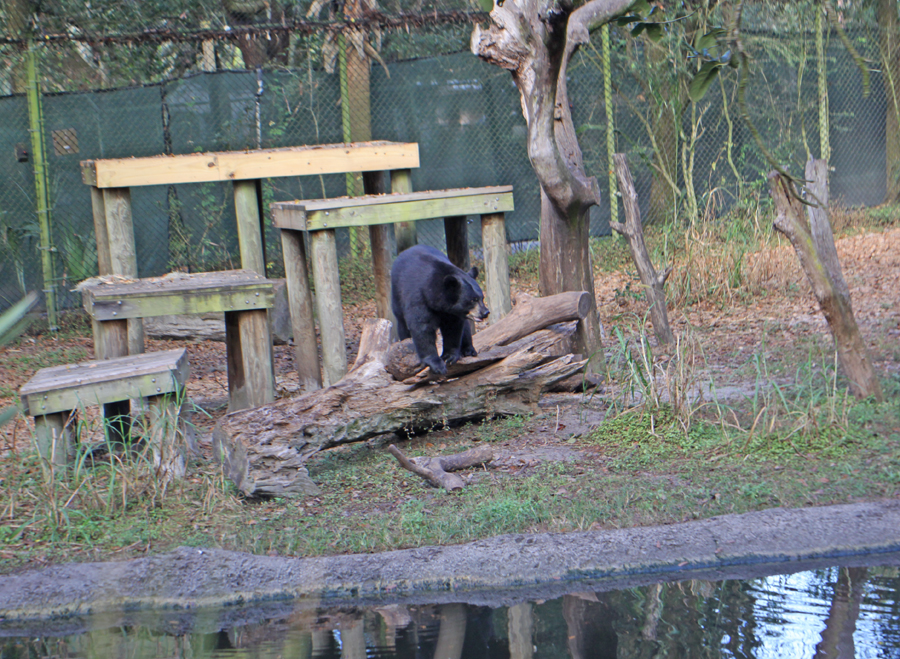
<point>264,450</point>
<point>814,244</point>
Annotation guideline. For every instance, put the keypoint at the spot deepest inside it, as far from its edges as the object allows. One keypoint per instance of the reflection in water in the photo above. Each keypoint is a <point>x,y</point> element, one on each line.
<point>832,613</point>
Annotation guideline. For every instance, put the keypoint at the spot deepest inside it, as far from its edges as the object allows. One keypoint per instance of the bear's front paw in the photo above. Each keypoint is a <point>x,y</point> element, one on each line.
<point>451,358</point>
<point>437,365</point>
<point>469,351</point>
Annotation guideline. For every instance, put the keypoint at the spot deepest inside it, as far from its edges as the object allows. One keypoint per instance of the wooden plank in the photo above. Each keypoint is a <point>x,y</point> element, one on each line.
<point>496,266</point>
<point>187,294</point>
<point>99,382</point>
<point>300,301</point>
<point>390,209</point>
<point>249,227</point>
<point>328,304</point>
<point>251,377</point>
<point>245,165</point>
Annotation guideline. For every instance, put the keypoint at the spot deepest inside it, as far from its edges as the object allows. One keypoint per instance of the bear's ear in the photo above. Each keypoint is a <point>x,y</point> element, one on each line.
<point>473,273</point>
<point>452,286</point>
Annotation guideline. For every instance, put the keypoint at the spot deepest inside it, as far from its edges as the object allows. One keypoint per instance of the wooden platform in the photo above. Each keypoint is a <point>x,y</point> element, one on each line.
<point>314,215</point>
<point>205,292</point>
<point>243,295</point>
<point>54,395</point>
<point>72,386</point>
<point>402,208</point>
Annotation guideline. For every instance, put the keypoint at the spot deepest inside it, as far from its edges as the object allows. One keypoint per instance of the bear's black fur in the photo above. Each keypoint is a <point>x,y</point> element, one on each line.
<point>428,293</point>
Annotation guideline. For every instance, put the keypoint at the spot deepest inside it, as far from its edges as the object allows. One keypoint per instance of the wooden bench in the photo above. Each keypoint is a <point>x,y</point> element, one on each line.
<point>244,296</point>
<point>54,395</point>
<point>319,218</point>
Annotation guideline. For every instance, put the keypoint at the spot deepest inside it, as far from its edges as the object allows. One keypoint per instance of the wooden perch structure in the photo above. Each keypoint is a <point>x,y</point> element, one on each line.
<point>264,450</point>
<point>436,471</point>
<point>633,232</point>
<point>811,235</point>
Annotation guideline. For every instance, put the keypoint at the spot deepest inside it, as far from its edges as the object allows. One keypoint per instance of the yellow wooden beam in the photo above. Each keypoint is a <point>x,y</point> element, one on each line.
<point>245,165</point>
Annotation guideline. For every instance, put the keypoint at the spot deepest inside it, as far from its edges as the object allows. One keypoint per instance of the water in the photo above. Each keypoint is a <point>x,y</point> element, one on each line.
<point>822,612</point>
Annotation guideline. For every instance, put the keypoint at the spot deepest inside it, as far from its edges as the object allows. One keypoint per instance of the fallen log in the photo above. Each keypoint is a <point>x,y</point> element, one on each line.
<point>530,315</point>
<point>437,470</point>
<point>264,450</point>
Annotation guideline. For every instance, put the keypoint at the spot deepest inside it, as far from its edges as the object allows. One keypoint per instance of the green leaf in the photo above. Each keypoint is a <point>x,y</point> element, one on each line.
<point>709,40</point>
<point>655,31</point>
<point>703,80</point>
<point>637,29</point>
<point>7,414</point>
<point>11,324</point>
<point>641,7</point>
<point>486,5</point>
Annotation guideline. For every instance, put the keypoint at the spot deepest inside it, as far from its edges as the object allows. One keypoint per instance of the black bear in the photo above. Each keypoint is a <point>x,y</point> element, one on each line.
<point>428,293</point>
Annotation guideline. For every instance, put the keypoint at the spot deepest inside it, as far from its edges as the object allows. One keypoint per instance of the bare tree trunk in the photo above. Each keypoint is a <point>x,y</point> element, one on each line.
<point>827,283</point>
<point>634,234</point>
<point>534,40</point>
<point>889,43</point>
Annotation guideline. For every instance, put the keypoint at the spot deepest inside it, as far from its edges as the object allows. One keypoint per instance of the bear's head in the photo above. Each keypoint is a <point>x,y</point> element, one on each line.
<point>464,297</point>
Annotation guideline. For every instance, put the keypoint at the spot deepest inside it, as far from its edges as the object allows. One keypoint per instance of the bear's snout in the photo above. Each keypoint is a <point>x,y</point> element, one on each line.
<point>479,311</point>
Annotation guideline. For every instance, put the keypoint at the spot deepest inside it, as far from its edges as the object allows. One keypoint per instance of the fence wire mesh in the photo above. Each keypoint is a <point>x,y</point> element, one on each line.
<point>691,161</point>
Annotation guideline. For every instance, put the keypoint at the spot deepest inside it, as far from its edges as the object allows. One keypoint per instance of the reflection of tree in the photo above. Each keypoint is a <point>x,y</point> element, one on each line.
<point>837,637</point>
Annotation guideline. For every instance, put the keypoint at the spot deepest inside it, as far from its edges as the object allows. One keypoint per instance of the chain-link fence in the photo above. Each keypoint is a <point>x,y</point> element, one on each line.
<point>690,161</point>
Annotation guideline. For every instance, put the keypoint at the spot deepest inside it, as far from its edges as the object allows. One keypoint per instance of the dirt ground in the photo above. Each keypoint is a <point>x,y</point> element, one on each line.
<point>782,324</point>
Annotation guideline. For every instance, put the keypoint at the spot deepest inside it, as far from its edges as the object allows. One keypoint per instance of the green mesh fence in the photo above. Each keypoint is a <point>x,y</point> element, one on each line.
<point>690,162</point>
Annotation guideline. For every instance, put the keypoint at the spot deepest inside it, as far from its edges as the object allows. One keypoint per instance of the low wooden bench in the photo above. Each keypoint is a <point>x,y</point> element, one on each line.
<point>54,395</point>
<point>321,217</point>
<point>243,295</point>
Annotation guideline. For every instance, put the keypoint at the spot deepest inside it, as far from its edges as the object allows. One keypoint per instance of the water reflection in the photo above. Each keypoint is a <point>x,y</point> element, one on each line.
<point>832,613</point>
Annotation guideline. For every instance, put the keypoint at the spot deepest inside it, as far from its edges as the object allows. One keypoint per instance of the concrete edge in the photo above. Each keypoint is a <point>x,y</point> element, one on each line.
<point>503,569</point>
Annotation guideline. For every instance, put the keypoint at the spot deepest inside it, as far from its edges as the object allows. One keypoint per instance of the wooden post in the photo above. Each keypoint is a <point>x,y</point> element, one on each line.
<point>496,266</point>
<point>111,340</point>
<point>633,232</point>
<point>104,265</point>
<point>55,437</point>
<point>328,304</point>
<point>166,438</point>
<point>405,232</point>
<point>246,207</point>
<point>456,232</point>
<point>379,241</point>
<point>300,300</point>
<point>251,379</point>
<point>122,254</point>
